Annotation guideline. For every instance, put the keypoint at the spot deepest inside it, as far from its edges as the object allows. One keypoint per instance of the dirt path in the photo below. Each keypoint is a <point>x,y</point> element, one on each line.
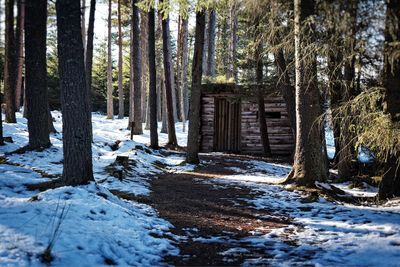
<point>212,220</point>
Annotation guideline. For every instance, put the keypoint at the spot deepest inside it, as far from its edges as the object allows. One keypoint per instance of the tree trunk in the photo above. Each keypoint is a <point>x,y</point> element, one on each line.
<point>19,52</point>
<point>347,155</point>
<point>144,62</point>
<point>309,164</point>
<point>390,184</point>
<point>184,73</point>
<point>286,88</point>
<point>193,145</point>
<point>83,27</point>
<point>89,48</point>
<point>205,52</point>
<point>77,143</point>
<point>211,44</point>
<point>110,102</point>
<point>152,79</point>
<point>120,86</point>
<point>179,67</point>
<point>164,123</point>
<point>136,64</point>
<point>169,83</point>
<point>10,64</point>
<point>261,102</point>
<point>36,74</point>
<point>232,68</point>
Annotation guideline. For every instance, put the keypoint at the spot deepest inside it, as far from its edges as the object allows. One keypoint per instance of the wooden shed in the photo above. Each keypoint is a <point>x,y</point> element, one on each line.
<point>230,122</point>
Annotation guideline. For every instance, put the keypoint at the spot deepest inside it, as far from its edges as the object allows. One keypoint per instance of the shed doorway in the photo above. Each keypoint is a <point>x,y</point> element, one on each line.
<point>227,125</point>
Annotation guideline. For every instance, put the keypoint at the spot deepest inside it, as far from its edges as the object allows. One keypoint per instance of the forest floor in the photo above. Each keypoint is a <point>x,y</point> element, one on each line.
<point>154,209</point>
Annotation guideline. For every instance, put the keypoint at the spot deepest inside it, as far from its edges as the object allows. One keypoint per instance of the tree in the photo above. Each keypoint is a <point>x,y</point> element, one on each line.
<point>195,100</point>
<point>120,77</point>
<point>211,43</point>
<point>89,47</point>
<point>347,155</point>
<point>309,164</point>
<point>153,79</point>
<point>10,64</point>
<point>168,73</point>
<point>185,71</point>
<point>77,143</point>
<point>36,74</point>
<point>20,52</point>
<point>110,102</point>
<point>261,102</point>
<point>136,64</point>
<point>390,184</point>
<point>233,25</point>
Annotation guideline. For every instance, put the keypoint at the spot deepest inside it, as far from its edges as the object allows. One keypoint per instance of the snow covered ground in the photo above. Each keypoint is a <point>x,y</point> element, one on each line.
<point>86,225</point>
<point>323,233</point>
<point>89,226</point>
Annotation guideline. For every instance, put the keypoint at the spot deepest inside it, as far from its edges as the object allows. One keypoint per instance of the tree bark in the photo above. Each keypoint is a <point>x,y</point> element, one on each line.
<point>120,85</point>
<point>110,102</point>
<point>169,83</point>
<point>19,52</point>
<point>309,164</point>
<point>347,155</point>
<point>36,74</point>
<point>211,44</point>
<point>10,64</point>
<point>205,52</point>
<point>184,73</point>
<point>232,68</point>
<point>77,143</point>
<point>390,184</point>
<point>136,64</point>
<point>152,79</point>
<point>83,26</point>
<point>261,102</point>
<point>193,145</point>
<point>89,48</point>
<point>286,88</point>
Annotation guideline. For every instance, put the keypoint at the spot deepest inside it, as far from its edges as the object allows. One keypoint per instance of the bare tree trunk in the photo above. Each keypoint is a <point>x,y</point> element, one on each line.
<point>261,102</point>
<point>195,100</point>
<point>36,74</point>
<point>347,161</point>
<point>136,64</point>
<point>20,52</point>
<point>77,143</point>
<point>286,88</point>
<point>147,124</point>
<point>152,79</point>
<point>211,43</point>
<point>205,52</point>
<point>10,64</point>
<point>164,123</point>
<point>110,102</point>
<point>232,68</point>
<point>144,62</point>
<point>120,85</point>
<point>309,164</point>
<point>390,184</point>
<point>184,73</point>
<point>89,48</point>
<point>83,26</point>
<point>179,67</point>
<point>169,83</point>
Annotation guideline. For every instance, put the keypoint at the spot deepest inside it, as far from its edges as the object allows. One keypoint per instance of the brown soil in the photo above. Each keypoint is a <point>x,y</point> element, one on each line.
<point>199,210</point>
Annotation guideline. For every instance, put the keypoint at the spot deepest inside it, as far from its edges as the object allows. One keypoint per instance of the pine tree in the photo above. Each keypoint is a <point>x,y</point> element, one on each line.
<point>77,142</point>
<point>36,74</point>
<point>110,89</point>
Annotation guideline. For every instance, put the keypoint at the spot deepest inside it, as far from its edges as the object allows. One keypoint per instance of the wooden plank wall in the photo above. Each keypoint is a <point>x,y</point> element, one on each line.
<point>207,124</point>
<point>279,131</point>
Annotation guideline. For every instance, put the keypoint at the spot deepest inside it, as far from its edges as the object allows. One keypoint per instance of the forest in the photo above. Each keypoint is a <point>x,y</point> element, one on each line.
<point>200,133</point>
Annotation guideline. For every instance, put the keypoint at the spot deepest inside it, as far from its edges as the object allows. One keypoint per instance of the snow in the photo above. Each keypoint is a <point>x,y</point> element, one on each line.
<point>95,226</point>
<point>98,228</point>
<point>325,233</point>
